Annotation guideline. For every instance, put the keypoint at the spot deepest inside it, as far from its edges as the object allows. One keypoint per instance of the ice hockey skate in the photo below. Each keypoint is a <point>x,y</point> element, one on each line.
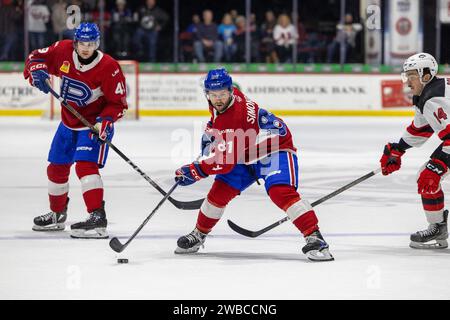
<point>52,221</point>
<point>435,237</point>
<point>316,249</point>
<point>93,228</point>
<point>191,242</point>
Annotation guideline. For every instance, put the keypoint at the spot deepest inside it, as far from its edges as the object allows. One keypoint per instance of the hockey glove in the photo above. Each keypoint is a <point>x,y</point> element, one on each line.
<point>207,140</point>
<point>430,177</point>
<point>39,75</point>
<point>391,160</point>
<point>105,128</point>
<point>189,174</point>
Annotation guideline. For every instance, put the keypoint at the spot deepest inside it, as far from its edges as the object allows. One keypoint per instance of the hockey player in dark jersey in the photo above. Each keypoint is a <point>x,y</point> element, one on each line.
<point>244,143</point>
<point>432,115</point>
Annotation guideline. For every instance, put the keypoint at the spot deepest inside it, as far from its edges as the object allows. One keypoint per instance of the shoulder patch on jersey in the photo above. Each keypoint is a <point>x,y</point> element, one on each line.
<point>268,121</point>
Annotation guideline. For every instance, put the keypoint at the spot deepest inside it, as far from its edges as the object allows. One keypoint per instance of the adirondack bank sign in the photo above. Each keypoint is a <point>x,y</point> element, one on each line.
<point>181,92</point>
<point>272,91</point>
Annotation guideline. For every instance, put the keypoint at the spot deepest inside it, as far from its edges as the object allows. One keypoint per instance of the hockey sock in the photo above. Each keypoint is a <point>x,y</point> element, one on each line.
<point>433,205</point>
<point>58,185</point>
<point>214,205</point>
<point>91,184</point>
<point>299,211</point>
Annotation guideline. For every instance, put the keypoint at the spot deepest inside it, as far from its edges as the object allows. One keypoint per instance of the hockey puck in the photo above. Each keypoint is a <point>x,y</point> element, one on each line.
<point>122,260</point>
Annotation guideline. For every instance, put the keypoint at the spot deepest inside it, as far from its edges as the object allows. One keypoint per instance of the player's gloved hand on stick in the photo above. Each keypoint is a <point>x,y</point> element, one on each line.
<point>104,128</point>
<point>189,174</point>
<point>39,75</point>
<point>391,160</point>
<point>430,178</point>
<point>207,140</point>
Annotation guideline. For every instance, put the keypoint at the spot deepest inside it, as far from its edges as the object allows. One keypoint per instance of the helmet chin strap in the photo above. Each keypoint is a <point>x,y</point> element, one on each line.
<point>420,72</point>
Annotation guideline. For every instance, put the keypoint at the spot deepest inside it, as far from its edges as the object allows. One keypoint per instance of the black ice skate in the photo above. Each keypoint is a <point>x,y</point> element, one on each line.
<point>93,228</point>
<point>190,243</point>
<point>435,237</point>
<point>52,221</point>
<point>316,249</point>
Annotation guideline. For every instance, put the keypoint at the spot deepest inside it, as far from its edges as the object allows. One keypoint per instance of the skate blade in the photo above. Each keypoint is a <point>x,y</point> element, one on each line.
<point>319,255</point>
<point>179,250</point>
<point>439,244</point>
<point>97,233</point>
<point>52,227</point>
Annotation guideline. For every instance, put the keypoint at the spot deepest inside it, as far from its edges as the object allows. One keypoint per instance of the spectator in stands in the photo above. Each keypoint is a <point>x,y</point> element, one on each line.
<point>10,16</point>
<point>38,17</point>
<point>59,18</point>
<point>285,36</point>
<point>192,28</point>
<point>227,32</point>
<point>186,39</point>
<point>240,38</point>
<point>241,27</point>
<point>267,41</point>
<point>346,33</point>
<point>94,15</point>
<point>207,39</point>
<point>307,44</point>
<point>152,19</point>
<point>254,39</point>
<point>234,14</point>
<point>121,26</point>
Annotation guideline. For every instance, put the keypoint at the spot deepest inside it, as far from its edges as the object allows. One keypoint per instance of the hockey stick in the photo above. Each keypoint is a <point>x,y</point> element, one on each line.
<point>254,234</point>
<point>184,205</point>
<point>119,247</point>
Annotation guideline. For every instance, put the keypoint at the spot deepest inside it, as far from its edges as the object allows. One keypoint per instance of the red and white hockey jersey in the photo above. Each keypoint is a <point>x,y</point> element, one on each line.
<point>96,89</point>
<point>243,134</point>
<point>432,114</point>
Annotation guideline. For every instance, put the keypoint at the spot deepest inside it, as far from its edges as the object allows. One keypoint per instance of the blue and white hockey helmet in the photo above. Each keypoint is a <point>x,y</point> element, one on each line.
<point>87,32</point>
<point>218,79</point>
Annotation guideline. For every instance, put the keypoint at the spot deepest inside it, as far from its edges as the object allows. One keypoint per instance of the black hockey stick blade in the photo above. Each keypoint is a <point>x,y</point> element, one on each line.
<point>116,245</point>
<point>187,205</point>
<point>254,234</point>
<point>240,230</point>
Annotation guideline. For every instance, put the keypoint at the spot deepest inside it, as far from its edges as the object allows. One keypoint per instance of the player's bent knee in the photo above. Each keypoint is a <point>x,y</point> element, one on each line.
<point>85,168</point>
<point>58,173</point>
<point>283,196</point>
<point>221,194</point>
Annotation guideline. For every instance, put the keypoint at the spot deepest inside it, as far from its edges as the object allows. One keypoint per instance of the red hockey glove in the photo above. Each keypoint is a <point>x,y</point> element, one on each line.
<point>105,129</point>
<point>189,174</point>
<point>391,159</point>
<point>430,177</point>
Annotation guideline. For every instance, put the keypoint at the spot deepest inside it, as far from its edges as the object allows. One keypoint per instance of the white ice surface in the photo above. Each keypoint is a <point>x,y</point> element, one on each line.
<point>367,227</point>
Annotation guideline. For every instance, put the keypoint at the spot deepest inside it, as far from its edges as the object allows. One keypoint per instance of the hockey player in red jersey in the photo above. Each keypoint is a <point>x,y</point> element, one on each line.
<point>242,144</point>
<point>93,84</point>
<point>431,99</point>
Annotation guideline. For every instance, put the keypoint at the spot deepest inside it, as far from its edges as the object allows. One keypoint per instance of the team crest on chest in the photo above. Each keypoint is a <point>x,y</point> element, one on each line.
<point>75,91</point>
